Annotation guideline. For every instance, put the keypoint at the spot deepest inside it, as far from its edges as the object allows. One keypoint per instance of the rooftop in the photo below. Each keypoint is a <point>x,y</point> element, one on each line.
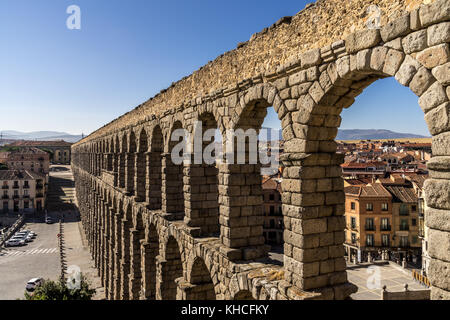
<point>403,194</point>
<point>19,175</point>
<point>27,143</point>
<point>369,190</point>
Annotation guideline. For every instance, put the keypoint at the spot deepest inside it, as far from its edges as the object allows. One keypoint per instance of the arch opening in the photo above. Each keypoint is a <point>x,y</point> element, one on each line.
<point>200,278</point>
<point>141,168</point>
<point>171,270</point>
<point>155,170</point>
<point>173,193</point>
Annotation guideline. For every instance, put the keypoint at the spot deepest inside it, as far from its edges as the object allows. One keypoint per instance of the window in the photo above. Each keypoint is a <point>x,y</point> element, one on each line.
<point>370,225</point>
<point>353,237</point>
<point>413,208</point>
<point>353,222</point>
<point>403,241</point>
<point>271,197</point>
<point>414,239</point>
<point>369,206</point>
<point>353,205</point>
<point>414,222</point>
<point>26,205</point>
<point>369,240</point>
<point>384,206</point>
<point>385,239</point>
<point>404,210</point>
<point>272,210</point>
<point>404,225</point>
<point>385,224</point>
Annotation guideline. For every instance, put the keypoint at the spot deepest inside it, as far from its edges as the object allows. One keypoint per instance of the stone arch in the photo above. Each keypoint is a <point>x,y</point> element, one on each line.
<point>122,161</point>
<point>126,227</point>
<point>173,193</point>
<point>131,164</point>
<point>244,180</point>
<point>243,295</point>
<point>199,284</point>
<point>312,175</point>
<point>170,269</point>
<point>137,238</point>
<point>202,180</point>
<point>141,167</point>
<point>155,169</point>
<point>149,252</point>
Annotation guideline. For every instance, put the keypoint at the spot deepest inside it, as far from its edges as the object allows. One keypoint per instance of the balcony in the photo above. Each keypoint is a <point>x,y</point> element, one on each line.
<point>16,186</point>
<point>26,186</point>
<point>26,196</point>
<point>39,186</point>
<point>404,227</point>
<point>16,196</point>
<point>404,211</point>
<point>370,228</point>
<point>5,197</point>
<point>385,228</point>
<point>39,195</point>
<point>5,187</point>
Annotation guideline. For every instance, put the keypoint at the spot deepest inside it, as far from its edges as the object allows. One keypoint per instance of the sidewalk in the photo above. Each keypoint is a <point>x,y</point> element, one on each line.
<point>77,253</point>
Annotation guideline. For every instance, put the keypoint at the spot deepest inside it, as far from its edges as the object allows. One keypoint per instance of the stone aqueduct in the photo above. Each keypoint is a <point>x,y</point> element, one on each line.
<point>158,230</point>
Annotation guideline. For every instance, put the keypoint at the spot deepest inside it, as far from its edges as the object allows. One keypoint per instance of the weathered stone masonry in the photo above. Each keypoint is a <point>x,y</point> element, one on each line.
<point>158,230</point>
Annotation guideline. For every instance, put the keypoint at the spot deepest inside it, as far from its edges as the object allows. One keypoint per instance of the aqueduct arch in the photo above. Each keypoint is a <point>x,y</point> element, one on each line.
<point>308,80</point>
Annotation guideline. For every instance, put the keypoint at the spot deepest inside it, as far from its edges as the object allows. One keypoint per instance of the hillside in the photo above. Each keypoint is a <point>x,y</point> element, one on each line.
<point>374,134</point>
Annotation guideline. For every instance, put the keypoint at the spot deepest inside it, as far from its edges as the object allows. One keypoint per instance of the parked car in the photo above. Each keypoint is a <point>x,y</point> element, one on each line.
<point>14,243</point>
<point>48,220</point>
<point>33,284</point>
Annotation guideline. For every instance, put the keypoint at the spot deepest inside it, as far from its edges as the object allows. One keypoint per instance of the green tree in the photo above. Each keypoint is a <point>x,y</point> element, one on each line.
<point>58,290</point>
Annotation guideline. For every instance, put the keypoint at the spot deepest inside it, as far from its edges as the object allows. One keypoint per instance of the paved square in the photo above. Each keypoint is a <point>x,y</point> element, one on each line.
<point>394,278</point>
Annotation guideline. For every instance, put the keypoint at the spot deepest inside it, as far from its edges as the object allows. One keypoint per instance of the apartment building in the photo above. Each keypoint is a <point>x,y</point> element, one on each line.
<point>368,213</point>
<point>272,208</point>
<point>25,158</point>
<point>60,151</point>
<point>405,212</point>
<point>22,191</point>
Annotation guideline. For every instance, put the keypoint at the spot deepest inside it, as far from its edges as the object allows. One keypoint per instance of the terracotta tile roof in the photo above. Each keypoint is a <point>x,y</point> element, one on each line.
<point>369,190</point>
<point>363,164</point>
<point>402,194</point>
<point>19,175</point>
<point>419,179</point>
<point>271,184</point>
<point>25,150</point>
<point>27,143</point>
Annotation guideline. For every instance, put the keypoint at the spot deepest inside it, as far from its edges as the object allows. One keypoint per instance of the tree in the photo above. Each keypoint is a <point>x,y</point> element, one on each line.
<point>58,290</point>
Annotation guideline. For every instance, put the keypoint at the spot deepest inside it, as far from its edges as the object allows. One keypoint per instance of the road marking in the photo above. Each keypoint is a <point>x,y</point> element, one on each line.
<point>29,252</point>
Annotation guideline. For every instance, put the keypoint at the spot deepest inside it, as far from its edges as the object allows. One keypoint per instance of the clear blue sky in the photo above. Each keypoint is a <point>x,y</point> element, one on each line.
<point>53,78</point>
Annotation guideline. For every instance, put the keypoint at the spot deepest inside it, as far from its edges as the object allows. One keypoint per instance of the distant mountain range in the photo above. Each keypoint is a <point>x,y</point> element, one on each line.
<point>39,135</point>
<point>268,134</point>
<point>373,134</point>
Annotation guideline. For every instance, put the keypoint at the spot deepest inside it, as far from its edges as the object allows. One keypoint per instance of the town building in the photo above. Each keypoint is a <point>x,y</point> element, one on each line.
<point>22,191</point>
<point>60,151</point>
<point>368,213</point>
<point>25,158</point>
<point>405,211</point>
<point>272,208</point>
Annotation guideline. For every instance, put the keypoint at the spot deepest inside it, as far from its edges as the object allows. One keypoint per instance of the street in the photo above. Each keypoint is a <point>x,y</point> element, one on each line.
<point>39,258</point>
